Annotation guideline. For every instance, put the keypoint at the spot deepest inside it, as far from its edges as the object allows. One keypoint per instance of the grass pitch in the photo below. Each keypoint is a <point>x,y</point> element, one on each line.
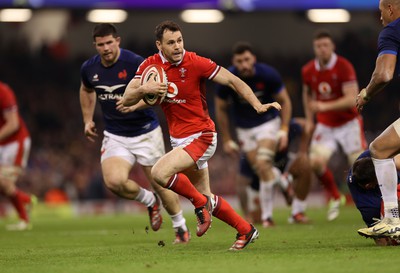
<point>122,243</point>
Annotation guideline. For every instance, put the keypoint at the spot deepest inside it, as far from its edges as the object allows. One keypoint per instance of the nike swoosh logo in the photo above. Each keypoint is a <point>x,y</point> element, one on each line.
<point>377,229</point>
<point>110,89</point>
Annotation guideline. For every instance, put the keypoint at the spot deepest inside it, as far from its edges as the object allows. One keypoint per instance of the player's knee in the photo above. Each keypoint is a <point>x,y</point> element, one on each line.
<point>264,160</point>
<point>158,177</point>
<point>114,182</point>
<point>375,150</point>
<point>265,154</point>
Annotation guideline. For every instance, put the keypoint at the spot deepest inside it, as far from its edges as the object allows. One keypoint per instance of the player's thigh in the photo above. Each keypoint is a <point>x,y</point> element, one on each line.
<point>175,161</point>
<point>387,144</point>
<point>351,138</point>
<point>115,170</point>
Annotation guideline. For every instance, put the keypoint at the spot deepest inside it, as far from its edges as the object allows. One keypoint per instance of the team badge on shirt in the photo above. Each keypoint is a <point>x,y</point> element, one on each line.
<point>183,72</point>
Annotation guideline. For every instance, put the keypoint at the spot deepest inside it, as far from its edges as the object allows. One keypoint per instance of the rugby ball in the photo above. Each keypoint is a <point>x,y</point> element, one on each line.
<point>158,74</point>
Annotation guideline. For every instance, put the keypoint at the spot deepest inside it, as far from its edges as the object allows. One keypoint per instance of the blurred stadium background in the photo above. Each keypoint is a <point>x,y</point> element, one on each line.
<point>41,56</point>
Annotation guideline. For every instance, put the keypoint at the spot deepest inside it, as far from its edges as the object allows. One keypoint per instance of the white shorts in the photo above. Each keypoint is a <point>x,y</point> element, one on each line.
<point>15,153</point>
<point>349,136</point>
<point>201,147</point>
<point>249,137</point>
<point>146,148</point>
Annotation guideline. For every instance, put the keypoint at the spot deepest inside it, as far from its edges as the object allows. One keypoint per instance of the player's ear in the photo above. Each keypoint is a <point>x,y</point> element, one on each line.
<point>158,44</point>
<point>118,39</point>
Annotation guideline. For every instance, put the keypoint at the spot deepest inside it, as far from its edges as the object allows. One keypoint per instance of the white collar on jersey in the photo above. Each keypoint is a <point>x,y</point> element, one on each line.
<point>329,65</point>
<point>164,60</point>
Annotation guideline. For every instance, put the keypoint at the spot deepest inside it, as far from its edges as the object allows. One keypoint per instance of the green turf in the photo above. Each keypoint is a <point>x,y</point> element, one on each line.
<point>120,243</point>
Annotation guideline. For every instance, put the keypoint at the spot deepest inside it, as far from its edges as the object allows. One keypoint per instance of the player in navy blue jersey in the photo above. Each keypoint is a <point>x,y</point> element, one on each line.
<point>129,136</point>
<point>260,136</point>
<point>366,194</point>
<point>387,144</point>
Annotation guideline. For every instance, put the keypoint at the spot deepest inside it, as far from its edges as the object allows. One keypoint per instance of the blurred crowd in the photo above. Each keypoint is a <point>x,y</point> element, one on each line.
<point>46,84</point>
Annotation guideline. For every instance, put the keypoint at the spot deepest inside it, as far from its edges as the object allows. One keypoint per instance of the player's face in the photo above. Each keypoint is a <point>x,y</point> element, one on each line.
<point>244,63</point>
<point>108,49</point>
<point>171,46</point>
<point>323,49</point>
<point>385,12</point>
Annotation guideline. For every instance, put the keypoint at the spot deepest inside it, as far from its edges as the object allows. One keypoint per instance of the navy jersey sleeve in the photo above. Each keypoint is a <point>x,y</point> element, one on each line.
<point>84,77</point>
<point>389,40</point>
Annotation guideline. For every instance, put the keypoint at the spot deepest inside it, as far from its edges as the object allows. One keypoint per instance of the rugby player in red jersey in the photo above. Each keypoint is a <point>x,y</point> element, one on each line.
<point>184,170</point>
<point>15,144</point>
<point>329,93</point>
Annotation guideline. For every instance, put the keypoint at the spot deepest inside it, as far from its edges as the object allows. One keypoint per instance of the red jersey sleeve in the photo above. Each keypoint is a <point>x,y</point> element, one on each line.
<point>206,67</point>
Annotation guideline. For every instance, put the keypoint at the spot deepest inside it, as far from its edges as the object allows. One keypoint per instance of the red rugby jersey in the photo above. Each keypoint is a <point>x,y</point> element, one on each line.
<point>185,106</point>
<point>9,103</point>
<point>327,85</point>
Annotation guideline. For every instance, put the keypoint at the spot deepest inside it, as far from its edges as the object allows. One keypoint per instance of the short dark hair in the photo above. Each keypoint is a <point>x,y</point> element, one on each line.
<point>363,171</point>
<point>104,29</point>
<point>241,47</point>
<point>322,33</point>
<point>160,28</point>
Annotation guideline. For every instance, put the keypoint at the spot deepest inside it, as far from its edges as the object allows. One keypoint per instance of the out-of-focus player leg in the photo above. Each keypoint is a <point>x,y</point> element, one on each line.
<point>319,157</point>
<point>261,158</point>
<point>247,187</point>
<point>301,171</point>
<point>242,183</point>
<point>19,199</point>
<point>14,157</point>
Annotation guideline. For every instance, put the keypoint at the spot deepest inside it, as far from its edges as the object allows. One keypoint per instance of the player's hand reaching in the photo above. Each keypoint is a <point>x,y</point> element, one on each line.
<point>90,131</point>
<point>265,107</point>
<point>127,109</point>
<point>362,99</point>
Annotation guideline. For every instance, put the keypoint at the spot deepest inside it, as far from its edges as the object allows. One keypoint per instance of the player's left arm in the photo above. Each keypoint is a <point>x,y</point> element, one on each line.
<point>225,77</point>
<point>382,75</point>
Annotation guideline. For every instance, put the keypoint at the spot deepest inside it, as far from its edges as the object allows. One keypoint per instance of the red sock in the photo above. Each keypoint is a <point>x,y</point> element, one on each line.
<point>329,183</point>
<point>180,184</point>
<point>24,197</point>
<point>18,201</point>
<point>227,214</point>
